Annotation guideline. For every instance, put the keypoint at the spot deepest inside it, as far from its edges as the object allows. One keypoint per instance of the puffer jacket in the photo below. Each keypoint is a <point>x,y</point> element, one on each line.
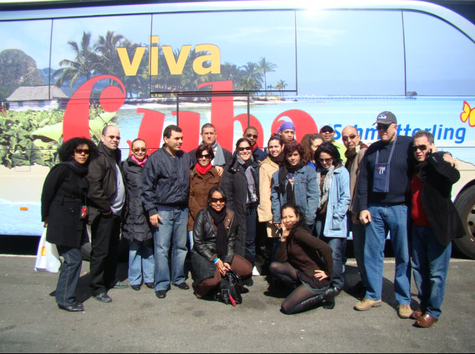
<point>136,225</point>
<point>306,192</point>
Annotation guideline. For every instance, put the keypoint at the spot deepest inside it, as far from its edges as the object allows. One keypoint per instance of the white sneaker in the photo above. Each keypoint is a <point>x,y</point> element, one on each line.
<point>255,271</point>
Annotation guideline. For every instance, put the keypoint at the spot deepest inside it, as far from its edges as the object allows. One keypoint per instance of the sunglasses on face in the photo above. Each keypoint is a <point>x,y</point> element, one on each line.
<point>112,137</point>
<point>326,131</point>
<point>82,151</point>
<point>325,160</point>
<point>140,149</point>
<point>248,148</point>
<point>382,127</point>
<point>252,136</point>
<point>201,156</point>
<point>419,147</point>
<point>218,200</point>
<point>350,137</point>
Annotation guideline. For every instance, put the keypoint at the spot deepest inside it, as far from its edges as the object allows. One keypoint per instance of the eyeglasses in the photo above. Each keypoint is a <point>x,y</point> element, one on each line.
<point>218,200</point>
<point>325,131</point>
<point>419,147</point>
<point>325,160</point>
<point>383,126</point>
<point>207,156</point>
<point>140,149</point>
<point>82,151</point>
<point>252,136</point>
<point>350,137</point>
<point>112,137</point>
<point>244,148</point>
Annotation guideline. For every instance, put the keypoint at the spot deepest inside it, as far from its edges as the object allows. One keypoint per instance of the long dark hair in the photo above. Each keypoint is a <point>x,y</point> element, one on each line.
<point>298,212</point>
<point>331,150</point>
<point>66,150</point>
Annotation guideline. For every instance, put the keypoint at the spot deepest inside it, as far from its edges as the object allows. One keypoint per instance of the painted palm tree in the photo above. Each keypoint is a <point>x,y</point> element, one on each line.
<point>231,72</point>
<point>266,67</point>
<point>84,64</point>
<point>106,47</point>
<point>251,77</point>
<point>281,85</point>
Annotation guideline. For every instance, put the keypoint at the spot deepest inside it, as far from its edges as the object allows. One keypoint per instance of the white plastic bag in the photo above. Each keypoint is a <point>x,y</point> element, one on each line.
<point>47,257</point>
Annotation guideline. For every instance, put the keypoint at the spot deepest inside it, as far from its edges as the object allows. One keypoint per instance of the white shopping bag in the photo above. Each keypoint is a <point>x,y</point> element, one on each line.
<point>47,257</point>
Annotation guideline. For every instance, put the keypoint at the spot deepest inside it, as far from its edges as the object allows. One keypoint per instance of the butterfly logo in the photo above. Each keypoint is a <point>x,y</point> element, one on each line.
<point>468,114</point>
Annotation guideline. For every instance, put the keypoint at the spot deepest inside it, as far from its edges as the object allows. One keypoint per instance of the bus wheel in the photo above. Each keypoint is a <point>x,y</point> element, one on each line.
<point>465,205</point>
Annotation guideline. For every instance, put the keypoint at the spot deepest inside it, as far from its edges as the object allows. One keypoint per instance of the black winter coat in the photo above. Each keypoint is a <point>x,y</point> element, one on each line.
<point>136,225</point>
<point>64,193</point>
<point>102,178</point>
<point>438,176</point>
<point>234,183</point>
<point>205,235</point>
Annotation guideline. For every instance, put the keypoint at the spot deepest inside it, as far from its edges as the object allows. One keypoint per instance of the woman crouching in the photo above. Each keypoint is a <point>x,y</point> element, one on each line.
<point>213,255</point>
<point>304,263</point>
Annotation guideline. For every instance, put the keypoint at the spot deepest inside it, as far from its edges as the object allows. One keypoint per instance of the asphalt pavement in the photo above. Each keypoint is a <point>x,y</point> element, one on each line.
<point>30,321</point>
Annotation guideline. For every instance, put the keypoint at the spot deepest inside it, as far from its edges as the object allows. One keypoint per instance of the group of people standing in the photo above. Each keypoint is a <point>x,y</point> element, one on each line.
<point>294,204</point>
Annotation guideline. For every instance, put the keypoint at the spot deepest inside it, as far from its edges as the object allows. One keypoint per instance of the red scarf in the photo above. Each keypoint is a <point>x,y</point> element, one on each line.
<point>140,163</point>
<point>202,170</point>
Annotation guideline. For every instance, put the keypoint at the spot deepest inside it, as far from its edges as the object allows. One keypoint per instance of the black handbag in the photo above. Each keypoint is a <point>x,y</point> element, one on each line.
<point>231,288</point>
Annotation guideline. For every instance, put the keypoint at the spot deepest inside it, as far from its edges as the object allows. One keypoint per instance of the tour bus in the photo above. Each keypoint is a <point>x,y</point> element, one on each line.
<point>69,69</point>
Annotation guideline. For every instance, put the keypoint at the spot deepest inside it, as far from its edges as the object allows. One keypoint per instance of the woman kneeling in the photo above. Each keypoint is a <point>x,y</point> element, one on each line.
<point>214,234</point>
<point>304,263</point>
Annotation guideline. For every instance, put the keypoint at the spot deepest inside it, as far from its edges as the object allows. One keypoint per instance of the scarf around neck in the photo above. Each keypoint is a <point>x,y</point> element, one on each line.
<point>218,155</point>
<point>279,159</point>
<point>284,170</point>
<point>221,239</point>
<point>140,163</point>
<point>202,170</point>
<point>328,178</point>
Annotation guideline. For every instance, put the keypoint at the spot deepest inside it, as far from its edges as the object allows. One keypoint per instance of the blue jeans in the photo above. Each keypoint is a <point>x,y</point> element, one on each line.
<point>430,262</point>
<point>251,229</point>
<point>141,263</point>
<point>338,246</point>
<point>170,233</point>
<point>384,218</point>
<point>69,276</point>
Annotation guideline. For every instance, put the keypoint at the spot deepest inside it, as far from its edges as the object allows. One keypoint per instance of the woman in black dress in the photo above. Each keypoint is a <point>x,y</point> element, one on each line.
<point>64,213</point>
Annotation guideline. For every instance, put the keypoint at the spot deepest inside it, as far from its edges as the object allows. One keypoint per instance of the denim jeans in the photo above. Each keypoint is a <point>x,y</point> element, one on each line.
<point>141,263</point>
<point>430,262</point>
<point>338,246</point>
<point>69,276</point>
<point>170,233</point>
<point>384,218</point>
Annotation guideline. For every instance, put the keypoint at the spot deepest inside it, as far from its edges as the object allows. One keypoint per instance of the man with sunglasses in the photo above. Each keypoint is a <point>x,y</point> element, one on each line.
<point>435,224</point>
<point>355,150</point>
<point>328,134</point>
<point>383,199</point>
<point>107,197</point>
<point>251,134</point>
<point>221,155</point>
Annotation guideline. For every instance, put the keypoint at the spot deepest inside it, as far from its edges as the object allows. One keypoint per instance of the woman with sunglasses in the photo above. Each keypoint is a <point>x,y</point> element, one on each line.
<point>241,183</point>
<point>331,223</point>
<point>136,228</point>
<point>213,254</point>
<point>304,264</point>
<point>295,183</point>
<point>64,213</point>
<point>203,177</point>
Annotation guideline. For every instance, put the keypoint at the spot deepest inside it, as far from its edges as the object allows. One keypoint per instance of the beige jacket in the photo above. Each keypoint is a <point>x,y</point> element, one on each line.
<point>264,211</point>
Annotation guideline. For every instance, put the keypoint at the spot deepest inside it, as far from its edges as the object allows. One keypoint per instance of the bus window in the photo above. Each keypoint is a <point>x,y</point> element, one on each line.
<point>440,58</point>
<point>232,46</point>
<point>350,53</point>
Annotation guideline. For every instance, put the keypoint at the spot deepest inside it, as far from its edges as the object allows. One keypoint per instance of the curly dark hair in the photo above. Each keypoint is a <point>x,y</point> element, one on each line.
<point>331,150</point>
<point>292,147</point>
<point>66,150</point>
<point>204,147</point>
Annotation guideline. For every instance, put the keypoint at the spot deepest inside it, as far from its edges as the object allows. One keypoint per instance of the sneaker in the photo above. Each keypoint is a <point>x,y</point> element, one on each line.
<point>366,304</point>
<point>404,311</point>
<point>120,285</point>
<point>255,272</point>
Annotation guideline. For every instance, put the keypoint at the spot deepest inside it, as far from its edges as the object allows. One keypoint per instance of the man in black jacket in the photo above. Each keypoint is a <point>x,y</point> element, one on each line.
<point>107,196</point>
<point>435,224</point>
<point>165,191</point>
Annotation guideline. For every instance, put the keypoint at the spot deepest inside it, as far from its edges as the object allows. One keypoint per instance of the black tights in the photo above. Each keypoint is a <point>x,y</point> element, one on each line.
<point>301,299</point>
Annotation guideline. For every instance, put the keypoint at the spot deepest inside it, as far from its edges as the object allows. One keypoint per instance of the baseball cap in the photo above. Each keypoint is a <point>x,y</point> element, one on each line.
<point>386,118</point>
<point>326,129</point>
